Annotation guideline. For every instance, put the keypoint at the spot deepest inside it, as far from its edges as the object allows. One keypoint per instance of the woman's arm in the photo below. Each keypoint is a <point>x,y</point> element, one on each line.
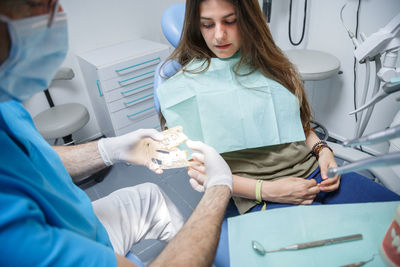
<point>291,190</point>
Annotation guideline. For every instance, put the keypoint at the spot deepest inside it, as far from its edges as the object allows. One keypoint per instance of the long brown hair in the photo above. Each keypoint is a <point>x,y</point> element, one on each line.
<point>258,49</point>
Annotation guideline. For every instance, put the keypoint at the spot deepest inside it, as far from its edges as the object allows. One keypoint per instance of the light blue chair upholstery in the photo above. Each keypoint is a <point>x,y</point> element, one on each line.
<point>163,71</point>
<point>134,259</point>
<point>171,24</point>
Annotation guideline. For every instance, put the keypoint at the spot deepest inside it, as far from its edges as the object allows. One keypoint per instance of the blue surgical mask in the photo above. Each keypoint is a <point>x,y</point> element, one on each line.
<point>36,54</point>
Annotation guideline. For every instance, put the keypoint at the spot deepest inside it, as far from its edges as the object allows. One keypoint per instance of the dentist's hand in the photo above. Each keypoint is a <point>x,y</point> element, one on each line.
<point>127,148</point>
<point>214,170</point>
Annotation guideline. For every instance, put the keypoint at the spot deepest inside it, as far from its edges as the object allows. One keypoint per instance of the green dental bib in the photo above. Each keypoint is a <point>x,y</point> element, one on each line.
<point>227,111</point>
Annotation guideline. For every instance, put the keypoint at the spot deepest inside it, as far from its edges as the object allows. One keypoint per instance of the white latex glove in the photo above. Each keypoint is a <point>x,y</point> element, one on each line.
<point>125,148</point>
<point>216,169</point>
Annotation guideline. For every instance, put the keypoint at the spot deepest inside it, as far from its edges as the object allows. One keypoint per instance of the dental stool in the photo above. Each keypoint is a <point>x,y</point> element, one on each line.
<point>62,120</point>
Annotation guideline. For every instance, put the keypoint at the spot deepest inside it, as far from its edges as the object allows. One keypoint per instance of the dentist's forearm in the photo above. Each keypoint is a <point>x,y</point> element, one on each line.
<point>80,160</point>
<point>197,241</point>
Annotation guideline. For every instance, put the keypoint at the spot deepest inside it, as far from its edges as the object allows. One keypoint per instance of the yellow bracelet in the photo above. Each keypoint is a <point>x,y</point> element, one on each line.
<point>258,191</point>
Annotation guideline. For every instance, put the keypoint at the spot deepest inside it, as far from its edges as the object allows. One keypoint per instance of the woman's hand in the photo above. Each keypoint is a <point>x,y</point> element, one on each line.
<point>291,190</point>
<point>326,160</point>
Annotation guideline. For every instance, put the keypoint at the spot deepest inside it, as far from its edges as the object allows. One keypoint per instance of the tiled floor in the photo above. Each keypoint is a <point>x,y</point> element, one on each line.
<point>175,184</point>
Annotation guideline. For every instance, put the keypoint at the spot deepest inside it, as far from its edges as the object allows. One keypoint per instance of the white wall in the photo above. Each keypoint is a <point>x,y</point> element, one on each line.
<point>97,23</point>
<point>332,99</point>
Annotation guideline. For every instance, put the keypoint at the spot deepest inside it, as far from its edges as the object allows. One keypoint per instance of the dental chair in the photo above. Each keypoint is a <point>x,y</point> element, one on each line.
<point>61,121</point>
<point>172,22</point>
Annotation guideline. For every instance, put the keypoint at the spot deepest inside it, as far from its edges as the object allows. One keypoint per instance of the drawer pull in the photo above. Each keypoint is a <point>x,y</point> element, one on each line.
<point>98,88</point>
<point>137,113</point>
<point>132,68</point>
<point>134,89</point>
<point>132,79</point>
<point>138,99</point>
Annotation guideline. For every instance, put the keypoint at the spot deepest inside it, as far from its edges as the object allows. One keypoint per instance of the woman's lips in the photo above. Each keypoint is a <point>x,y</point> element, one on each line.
<point>223,46</point>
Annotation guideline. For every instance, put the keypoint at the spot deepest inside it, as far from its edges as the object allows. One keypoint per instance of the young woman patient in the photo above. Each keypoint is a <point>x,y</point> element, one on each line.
<point>236,84</point>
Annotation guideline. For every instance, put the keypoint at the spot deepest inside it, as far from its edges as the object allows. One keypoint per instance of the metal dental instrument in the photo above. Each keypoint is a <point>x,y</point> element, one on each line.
<point>257,247</point>
<point>374,138</point>
<point>387,89</point>
<point>360,263</point>
<point>385,160</point>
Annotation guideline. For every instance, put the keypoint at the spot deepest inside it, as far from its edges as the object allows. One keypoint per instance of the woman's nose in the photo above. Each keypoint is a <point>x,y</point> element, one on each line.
<point>220,32</point>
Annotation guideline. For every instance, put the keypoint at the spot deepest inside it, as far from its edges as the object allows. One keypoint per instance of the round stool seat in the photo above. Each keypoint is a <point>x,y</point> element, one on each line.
<point>61,120</point>
<point>313,65</point>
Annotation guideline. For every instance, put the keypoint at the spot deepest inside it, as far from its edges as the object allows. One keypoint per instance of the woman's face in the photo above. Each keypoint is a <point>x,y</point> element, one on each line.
<point>218,25</point>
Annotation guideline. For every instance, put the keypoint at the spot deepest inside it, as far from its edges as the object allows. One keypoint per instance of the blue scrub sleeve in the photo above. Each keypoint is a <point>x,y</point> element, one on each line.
<point>26,241</point>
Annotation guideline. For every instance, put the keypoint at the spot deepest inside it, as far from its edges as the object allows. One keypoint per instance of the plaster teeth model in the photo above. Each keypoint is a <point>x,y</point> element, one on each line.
<point>173,137</point>
<point>390,248</point>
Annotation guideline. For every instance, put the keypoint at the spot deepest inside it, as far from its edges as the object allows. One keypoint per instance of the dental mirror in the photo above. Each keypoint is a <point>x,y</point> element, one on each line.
<point>258,247</point>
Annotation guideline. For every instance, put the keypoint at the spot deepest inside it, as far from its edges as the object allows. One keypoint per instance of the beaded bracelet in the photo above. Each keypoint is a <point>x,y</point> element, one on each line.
<point>317,147</point>
<point>316,144</point>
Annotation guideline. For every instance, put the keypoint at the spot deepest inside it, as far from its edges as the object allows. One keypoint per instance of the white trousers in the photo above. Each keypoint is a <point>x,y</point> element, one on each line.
<point>135,213</point>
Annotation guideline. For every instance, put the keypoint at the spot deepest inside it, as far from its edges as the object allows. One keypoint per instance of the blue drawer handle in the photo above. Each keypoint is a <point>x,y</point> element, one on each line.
<point>136,88</point>
<point>135,77</point>
<point>138,99</point>
<point>98,87</point>
<point>137,65</point>
<point>137,113</point>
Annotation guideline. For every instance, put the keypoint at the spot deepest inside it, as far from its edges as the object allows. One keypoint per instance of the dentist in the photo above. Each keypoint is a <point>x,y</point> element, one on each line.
<point>45,220</point>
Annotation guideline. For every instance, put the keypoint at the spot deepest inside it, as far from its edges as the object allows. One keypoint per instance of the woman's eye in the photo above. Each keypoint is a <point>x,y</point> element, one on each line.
<point>207,26</point>
<point>230,22</point>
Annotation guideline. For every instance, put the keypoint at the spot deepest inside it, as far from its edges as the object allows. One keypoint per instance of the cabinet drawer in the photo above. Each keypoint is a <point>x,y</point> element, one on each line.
<point>151,122</point>
<point>129,66</point>
<point>128,80</point>
<point>124,117</point>
<point>129,90</point>
<point>131,100</point>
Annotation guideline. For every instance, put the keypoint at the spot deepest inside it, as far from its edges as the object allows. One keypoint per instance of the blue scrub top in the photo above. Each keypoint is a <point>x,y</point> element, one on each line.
<point>45,220</point>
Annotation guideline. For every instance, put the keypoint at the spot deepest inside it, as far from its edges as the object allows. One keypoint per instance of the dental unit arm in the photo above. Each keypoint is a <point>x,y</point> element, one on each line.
<point>386,39</point>
<point>385,42</point>
<point>374,138</point>
<point>387,89</point>
<point>380,161</point>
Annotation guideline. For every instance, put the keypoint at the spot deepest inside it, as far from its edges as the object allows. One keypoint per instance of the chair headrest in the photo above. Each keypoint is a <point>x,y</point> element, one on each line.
<point>172,23</point>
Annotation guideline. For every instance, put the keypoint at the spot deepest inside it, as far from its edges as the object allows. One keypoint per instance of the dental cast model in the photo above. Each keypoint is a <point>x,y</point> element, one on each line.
<point>165,154</point>
<point>173,137</point>
<point>390,248</point>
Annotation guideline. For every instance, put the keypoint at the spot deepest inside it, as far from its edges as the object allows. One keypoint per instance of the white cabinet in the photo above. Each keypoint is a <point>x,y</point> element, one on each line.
<point>119,80</point>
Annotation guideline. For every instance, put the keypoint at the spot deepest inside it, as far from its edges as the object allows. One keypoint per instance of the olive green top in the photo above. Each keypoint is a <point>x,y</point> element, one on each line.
<point>270,163</point>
